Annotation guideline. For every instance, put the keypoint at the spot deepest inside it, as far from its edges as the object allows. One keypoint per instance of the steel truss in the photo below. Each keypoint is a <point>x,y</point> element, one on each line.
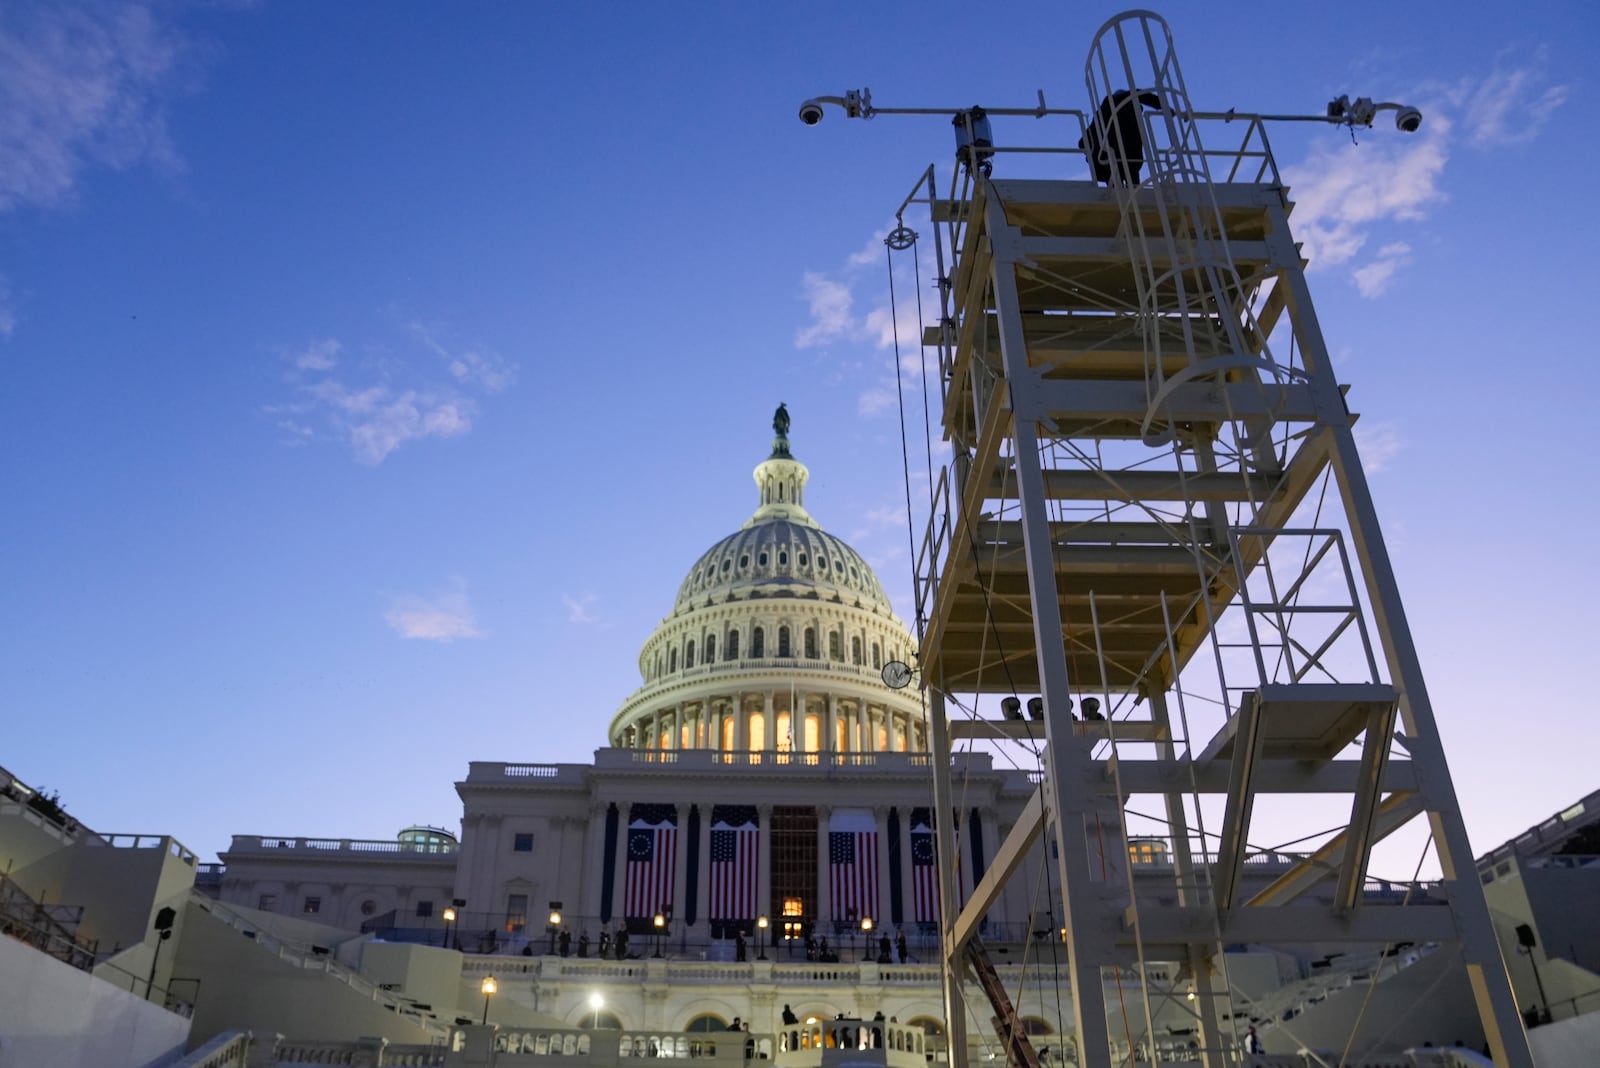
<point>1133,513</point>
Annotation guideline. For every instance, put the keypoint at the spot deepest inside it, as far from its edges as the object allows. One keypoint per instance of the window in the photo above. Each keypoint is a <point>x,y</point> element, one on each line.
<point>688,654</point>
<point>758,643</point>
<point>733,645</point>
<point>313,906</point>
<point>855,651</point>
<point>672,660</point>
<point>267,902</point>
<point>744,561</point>
<point>877,656</point>
<point>802,559</point>
<point>835,646</point>
<point>368,907</point>
<point>424,909</point>
<point>762,560</point>
<point>811,643</point>
<point>516,912</point>
<point>711,649</point>
<point>707,1023</point>
<point>783,559</point>
<point>522,843</point>
<point>726,564</point>
<point>783,641</point>
<point>822,562</point>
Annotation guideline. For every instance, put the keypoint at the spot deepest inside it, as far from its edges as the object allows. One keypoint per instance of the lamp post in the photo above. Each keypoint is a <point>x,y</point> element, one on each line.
<point>595,1001</point>
<point>555,924</point>
<point>1526,943</point>
<point>449,919</point>
<point>661,929</point>
<point>761,938</point>
<point>866,934</point>
<point>489,988</point>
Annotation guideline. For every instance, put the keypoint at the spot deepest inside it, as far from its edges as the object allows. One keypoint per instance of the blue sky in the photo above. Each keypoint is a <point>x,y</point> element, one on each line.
<point>371,374</point>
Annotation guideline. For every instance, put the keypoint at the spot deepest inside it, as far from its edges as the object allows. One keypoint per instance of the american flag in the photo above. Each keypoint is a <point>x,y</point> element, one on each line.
<point>652,859</point>
<point>735,843</point>
<point>853,864</point>
<point>924,867</point>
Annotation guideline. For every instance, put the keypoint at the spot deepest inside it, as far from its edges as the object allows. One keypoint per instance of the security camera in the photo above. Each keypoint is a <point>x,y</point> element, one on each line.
<point>811,112</point>
<point>1407,120</point>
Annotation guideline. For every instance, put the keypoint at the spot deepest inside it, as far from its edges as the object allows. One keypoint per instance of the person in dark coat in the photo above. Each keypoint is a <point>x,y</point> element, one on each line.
<point>1120,157</point>
<point>605,943</point>
<point>583,944</point>
<point>740,949</point>
<point>883,949</point>
<point>564,943</point>
<point>789,1018</point>
<point>900,945</point>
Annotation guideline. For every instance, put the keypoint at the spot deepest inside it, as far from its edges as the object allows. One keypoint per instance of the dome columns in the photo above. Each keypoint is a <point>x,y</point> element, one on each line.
<point>774,720</point>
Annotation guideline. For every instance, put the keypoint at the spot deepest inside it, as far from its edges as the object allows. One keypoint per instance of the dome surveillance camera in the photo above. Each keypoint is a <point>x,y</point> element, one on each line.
<point>811,112</point>
<point>1407,120</point>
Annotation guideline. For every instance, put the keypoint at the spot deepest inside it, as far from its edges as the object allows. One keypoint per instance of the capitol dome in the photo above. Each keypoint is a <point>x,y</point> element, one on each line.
<point>776,641</point>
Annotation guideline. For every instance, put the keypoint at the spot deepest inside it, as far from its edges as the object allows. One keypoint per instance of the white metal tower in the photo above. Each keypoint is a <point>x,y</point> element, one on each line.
<point>1157,503</point>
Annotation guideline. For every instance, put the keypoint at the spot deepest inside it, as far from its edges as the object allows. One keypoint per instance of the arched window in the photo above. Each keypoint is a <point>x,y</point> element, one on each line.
<point>783,641</point>
<point>657,675</point>
<point>688,654</point>
<point>835,648</point>
<point>733,645</point>
<point>601,1021</point>
<point>672,660</point>
<point>783,559</point>
<point>762,559</point>
<point>758,642</point>
<point>855,651</point>
<point>707,1022</point>
<point>811,643</point>
<point>1033,1025</point>
<point>877,656</point>
<point>711,648</point>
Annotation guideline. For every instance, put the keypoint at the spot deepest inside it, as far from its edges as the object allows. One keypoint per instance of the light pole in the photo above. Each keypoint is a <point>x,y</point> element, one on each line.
<point>1526,943</point>
<point>489,987</point>
<point>866,934</point>
<point>761,938</point>
<point>449,920</point>
<point>595,1001</point>
<point>555,924</point>
<point>661,929</point>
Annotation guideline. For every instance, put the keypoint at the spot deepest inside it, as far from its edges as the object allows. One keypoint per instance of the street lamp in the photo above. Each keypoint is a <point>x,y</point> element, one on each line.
<point>595,1001</point>
<point>866,934</point>
<point>555,924</point>
<point>761,938</point>
<point>1526,944</point>
<point>489,987</point>
<point>661,929</point>
<point>449,918</point>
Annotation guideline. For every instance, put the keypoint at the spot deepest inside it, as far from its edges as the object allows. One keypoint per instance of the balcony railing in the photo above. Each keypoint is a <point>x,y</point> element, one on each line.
<point>244,843</point>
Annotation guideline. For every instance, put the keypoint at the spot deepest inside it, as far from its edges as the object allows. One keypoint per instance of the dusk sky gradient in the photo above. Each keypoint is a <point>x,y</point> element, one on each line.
<point>371,374</point>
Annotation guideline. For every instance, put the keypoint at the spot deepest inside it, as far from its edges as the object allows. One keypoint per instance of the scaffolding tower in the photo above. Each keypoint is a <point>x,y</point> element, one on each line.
<point>1152,506</point>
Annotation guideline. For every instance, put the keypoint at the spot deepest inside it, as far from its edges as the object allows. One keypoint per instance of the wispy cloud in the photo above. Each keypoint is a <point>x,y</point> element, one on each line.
<point>388,399</point>
<point>470,366</point>
<point>1379,444</point>
<point>1343,197</point>
<point>830,303</point>
<point>8,311</point>
<point>578,607</point>
<point>443,618</point>
<point>82,86</point>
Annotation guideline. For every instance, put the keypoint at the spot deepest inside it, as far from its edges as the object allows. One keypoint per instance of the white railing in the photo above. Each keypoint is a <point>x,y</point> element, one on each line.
<point>242,843</point>
<point>230,1049</point>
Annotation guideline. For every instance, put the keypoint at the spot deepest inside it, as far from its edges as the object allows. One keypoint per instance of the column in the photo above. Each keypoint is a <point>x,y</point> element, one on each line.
<point>741,726</point>
<point>908,910</point>
<point>619,885</point>
<point>881,917</point>
<point>764,866</point>
<point>703,883</point>
<point>824,883</point>
<point>769,738</point>
<point>680,872</point>
<point>832,743</point>
<point>861,726</point>
<point>587,901</point>
<point>660,721</point>
<point>892,725</point>
<point>677,727</point>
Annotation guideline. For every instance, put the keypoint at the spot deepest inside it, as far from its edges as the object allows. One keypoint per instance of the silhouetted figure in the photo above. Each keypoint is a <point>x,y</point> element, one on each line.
<point>789,1018</point>
<point>605,943</point>
<point>900,944</point>
<point>621,942</point>
<point>811,947</point>
<point>883,949</point>
<point>735,1025</point>
<point>564,943</point>
<point>583,944</point>
<point>527,950</point>
<point>1120,158</point>
<point>740,949</point>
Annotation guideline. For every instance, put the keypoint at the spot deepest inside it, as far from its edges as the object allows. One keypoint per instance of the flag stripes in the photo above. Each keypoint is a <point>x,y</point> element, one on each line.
<point>853,865</point>
<point>924,868</point>
<point>735,853</point>
<point>652,859</point>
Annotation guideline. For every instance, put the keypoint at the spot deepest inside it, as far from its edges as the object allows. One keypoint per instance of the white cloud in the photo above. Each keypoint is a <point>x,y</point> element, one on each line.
<point>874,400</point>
<point>78,88</point>
<point>1512,104</point>
<point>578,607</point>
<point>1373,279</point>
<point>1379,443</point>
<point>471,367</point>
<point>438,619</point>
<point>8,312</point>
<point>318,355</point>
<point>376,420</point>
<point>1342,193</point>
<point>830,303</point>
